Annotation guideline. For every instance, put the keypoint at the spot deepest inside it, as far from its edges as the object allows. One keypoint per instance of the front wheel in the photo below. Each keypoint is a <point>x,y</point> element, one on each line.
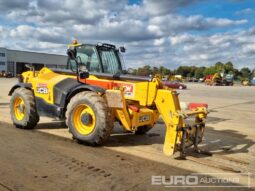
<point>23,109</point>
<point>89,118</point>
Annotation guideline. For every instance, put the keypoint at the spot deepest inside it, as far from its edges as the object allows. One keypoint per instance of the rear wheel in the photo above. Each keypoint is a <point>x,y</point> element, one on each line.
<point>23,109</point>
<point>143,129</point>
<point>88,118</point>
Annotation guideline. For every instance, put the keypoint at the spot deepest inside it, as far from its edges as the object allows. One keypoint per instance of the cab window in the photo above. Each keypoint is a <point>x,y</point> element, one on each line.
<point>88,57</point>
<point>109,61</point>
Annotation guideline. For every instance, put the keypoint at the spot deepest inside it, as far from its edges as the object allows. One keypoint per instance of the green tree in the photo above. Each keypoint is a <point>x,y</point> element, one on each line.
<point>155,70</point>
<point>184,71</point>
<point>199,72</point>
<point>253,73</point>
<point>245,72</point>
<point>209,71</point>
<point>164,71</point>
<point>219,67</point>
<point>237,74</point>
<point>144,71</point>
<point>229,67</point>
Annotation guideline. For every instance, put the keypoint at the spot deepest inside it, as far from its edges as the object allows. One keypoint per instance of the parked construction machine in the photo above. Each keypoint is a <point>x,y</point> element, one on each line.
<point>220,79</point>
<point>95,91</point>
<point>248,82</point>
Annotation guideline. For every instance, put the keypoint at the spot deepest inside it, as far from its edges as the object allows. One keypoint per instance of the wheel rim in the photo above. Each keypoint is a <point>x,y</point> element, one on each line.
<point>19,108</point>
<point>84,119</point>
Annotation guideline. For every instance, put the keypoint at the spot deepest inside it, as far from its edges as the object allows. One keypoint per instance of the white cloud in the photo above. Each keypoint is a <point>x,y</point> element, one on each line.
<point>249,48</point>
<point>208,49</point>
<point>173,23</point>
<point>22,31</point>
<point>153,31</point>
<point>246,11</point>
<point>159,42</point>
<point>180,39</point>
<point>165,6</point>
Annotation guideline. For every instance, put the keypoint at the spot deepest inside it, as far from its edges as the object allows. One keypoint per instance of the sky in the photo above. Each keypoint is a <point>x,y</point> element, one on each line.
<point>167,33</point>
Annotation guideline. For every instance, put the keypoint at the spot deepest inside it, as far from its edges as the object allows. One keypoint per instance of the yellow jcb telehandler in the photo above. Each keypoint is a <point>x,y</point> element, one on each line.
<point>94,91</point>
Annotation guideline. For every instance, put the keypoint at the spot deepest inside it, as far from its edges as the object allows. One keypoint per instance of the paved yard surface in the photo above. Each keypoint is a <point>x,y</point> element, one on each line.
<point>46,158</point>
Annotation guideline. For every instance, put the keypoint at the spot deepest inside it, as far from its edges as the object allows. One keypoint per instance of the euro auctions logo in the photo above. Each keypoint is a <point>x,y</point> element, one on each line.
<point>174,180</point>
<point>203,180</point>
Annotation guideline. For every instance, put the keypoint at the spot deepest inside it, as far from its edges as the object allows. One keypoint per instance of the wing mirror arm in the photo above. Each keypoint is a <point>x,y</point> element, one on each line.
<point>31,68</point>
<point>81,70</point>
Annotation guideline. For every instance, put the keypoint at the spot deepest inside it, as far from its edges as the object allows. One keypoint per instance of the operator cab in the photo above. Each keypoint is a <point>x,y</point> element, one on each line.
<point>100,58</point>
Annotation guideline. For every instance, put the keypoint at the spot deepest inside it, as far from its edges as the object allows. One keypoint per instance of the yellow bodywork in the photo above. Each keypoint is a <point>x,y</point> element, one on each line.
<point>44,77</point>
<point>150,99</point>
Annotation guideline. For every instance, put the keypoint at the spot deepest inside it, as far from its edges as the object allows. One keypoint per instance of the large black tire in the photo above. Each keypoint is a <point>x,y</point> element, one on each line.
<point>31,117</point>
<point>103,120</point>
<point>143,129</point>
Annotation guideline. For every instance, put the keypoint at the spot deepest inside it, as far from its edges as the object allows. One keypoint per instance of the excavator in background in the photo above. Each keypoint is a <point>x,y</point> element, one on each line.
<point>95,91</point>
<point>219,79</point>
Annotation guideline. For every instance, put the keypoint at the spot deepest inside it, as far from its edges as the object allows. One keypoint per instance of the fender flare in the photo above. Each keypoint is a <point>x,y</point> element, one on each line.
<point>84,87</point>
<point>66,89</point>
<point>20,85</point>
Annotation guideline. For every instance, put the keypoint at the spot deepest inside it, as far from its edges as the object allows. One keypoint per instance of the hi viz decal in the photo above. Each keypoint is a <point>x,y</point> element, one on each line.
<point>42,88</point>
<point>129,89</point>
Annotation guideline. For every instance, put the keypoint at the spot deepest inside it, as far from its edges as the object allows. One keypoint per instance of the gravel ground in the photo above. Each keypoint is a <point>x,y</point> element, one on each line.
<point>47,158</point>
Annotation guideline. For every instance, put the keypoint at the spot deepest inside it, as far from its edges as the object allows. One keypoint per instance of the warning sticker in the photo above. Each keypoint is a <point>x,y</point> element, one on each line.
<point>129,89</point>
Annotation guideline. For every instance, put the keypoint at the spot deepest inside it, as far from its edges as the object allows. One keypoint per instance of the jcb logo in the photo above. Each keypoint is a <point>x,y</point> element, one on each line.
<point>42,90</point>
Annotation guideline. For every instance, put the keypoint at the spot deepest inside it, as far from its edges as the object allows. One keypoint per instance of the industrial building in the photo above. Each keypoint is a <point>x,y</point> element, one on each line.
<point>14,61</point>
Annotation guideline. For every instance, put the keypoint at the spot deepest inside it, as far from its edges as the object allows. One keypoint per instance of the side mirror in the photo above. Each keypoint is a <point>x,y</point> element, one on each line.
<point>83,75</point>
<point>71,53</point>
<point>83,72</point>
<point>122,49</point>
